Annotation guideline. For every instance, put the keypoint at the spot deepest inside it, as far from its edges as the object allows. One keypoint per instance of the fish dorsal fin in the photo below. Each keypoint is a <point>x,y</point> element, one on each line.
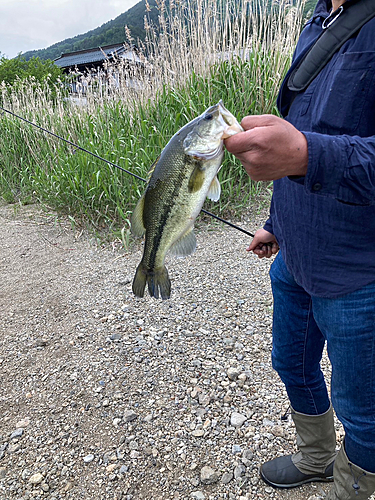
<point>137,227</point>
<point>152,168</point>
<point>215,190</point>
<point>185,245</point>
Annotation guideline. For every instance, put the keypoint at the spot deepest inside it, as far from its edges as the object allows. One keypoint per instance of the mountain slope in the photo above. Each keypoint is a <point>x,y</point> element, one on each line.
<point>107,34</point>
<point>113,31</point>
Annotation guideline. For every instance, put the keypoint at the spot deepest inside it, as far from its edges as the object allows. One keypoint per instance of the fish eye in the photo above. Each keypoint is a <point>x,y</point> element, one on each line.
<point>208,117</point>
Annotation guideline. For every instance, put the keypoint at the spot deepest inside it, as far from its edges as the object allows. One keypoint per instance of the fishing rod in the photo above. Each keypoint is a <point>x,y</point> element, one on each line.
<point>115,165</point>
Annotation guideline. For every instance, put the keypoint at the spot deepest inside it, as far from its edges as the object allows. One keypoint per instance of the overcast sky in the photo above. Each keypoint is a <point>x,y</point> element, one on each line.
<point>37,24</point>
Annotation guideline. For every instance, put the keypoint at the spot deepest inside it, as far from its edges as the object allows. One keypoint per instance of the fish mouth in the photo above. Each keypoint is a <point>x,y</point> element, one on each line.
<point>225,126</point>
<point>229,122</point>
<point>226,118</point>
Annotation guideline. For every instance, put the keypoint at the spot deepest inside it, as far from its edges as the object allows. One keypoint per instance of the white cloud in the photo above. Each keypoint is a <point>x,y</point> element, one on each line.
<point>37,24</point>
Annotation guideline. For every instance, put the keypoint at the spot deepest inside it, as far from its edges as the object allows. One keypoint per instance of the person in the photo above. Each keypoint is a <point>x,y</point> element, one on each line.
<point>321,157</point>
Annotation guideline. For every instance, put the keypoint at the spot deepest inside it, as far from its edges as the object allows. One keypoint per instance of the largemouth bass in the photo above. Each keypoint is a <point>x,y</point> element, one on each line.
<point>179,181</point>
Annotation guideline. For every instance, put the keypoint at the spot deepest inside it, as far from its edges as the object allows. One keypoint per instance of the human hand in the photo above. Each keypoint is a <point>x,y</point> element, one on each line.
<point>264,244</point>
<point>269,148</point>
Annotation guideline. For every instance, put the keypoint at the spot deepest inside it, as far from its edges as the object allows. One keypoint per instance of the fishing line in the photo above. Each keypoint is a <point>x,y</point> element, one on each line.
<point>72,144</point>
<point>116,166</point>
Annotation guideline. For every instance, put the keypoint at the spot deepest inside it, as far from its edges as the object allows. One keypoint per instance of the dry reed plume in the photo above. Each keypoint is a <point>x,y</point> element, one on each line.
<point>199,52</point>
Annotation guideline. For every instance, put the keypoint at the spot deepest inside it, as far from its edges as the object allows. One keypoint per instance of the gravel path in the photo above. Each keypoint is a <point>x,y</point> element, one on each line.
<point>105,396</point>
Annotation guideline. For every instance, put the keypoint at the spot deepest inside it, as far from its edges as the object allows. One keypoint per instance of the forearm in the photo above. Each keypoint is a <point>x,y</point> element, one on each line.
<point>340,167</point>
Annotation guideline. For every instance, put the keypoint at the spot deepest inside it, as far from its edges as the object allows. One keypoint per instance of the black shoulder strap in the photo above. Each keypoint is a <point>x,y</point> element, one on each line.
<point>337,29</point>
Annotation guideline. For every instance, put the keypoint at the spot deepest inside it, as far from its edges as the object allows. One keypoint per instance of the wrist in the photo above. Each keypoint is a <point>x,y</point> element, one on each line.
<point>302,157</point>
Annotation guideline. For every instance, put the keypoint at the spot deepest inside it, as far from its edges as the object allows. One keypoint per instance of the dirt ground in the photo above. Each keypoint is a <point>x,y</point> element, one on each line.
<point>57,293</point>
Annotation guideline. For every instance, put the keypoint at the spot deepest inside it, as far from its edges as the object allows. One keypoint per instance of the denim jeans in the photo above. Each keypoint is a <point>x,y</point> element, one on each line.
<point>301,326</point>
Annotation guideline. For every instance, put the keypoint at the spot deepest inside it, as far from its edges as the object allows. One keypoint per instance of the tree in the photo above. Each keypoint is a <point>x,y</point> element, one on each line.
<point>12,70</point>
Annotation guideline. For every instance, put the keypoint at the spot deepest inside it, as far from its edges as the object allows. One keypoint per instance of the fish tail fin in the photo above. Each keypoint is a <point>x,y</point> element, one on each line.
<point>157,280</point>
<point>139,281</point>
<point>159,283</point>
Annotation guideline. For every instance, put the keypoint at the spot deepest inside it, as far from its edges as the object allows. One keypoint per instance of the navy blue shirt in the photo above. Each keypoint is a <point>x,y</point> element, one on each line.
<point>325,222</point>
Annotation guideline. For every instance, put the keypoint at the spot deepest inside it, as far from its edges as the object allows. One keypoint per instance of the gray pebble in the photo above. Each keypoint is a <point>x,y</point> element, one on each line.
<point>237,419</point>
<point>227,477</point>
<point>115,336</point>
<point>130,415</point>
<point>17,433</point>
<point>40,343</point>
<point>208,475</point>
<point>197,495</point>
<point>233,373</point>
<point>239,471</point>
<point>248,454</point>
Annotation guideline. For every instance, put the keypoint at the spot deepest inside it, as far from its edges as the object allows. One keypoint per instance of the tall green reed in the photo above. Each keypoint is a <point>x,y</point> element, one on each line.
<point>201,52</point>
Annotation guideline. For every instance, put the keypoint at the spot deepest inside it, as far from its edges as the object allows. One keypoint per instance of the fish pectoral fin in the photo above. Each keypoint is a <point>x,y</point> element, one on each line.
<point>214,190</point>
<point>137,227</point>
<point>196,179</point>
<point>185,245</point>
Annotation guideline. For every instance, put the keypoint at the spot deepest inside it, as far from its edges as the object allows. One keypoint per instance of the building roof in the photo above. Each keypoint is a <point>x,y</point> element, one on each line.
<point>97,55</point>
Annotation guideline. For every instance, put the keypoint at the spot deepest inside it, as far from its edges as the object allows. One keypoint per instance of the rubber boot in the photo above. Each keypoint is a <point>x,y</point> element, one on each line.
<point>350,481</point>
<point>316,442</point>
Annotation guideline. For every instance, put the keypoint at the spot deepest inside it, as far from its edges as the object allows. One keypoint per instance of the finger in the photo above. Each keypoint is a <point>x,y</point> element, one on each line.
<point>263,255</point>
<point>263,251</point>
<point>245,142</point>
<point>255,244</point>
<point>267,251</point>
<point>252,246</point>
<point>258,250</point>
<point>238,143</point>
<point>260,255</point>
<point>254,121</point>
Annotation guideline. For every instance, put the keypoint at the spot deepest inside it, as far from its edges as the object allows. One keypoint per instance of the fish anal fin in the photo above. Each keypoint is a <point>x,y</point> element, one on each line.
<point>214,190</point>
<point>137,227</point>
<point>185,245</point>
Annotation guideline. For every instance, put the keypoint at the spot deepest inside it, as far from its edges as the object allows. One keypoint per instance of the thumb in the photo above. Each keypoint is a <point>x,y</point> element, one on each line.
<point>257,240</point>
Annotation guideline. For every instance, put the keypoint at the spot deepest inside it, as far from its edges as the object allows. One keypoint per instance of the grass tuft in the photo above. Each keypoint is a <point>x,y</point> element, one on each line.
<point>201,51</point>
